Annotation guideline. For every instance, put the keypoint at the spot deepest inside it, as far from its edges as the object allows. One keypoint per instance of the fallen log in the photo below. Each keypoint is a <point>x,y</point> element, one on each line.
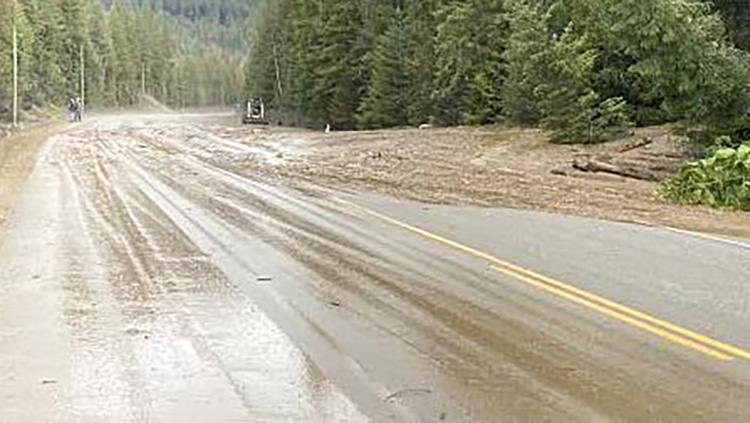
<point>633,145</point>
<point>594,166</point>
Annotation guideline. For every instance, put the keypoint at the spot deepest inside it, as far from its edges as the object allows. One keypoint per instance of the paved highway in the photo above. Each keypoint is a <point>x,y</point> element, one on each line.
<point>148,278</point>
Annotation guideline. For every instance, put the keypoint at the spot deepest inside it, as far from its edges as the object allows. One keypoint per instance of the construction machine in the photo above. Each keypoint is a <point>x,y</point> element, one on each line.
<point>255,113</point>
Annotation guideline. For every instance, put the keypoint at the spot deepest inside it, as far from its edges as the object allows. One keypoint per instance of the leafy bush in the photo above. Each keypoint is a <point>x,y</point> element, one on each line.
<point>721,180</point>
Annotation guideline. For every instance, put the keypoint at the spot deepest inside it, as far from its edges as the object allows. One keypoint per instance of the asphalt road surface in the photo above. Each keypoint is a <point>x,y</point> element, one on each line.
<point>147,278</point>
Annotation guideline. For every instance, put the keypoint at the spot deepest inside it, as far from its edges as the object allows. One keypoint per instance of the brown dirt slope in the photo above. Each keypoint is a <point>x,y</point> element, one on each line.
<point>515,168</point>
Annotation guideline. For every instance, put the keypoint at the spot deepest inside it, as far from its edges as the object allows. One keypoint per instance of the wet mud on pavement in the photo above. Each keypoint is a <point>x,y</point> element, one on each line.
<point>111,313</point>
<point>148,277</point>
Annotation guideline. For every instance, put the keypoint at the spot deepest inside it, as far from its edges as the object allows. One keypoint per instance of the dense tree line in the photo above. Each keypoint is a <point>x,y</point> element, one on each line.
<point>736,14</point>
<point>124,50</point>
<point>218,22</point>
<point>587,70</point>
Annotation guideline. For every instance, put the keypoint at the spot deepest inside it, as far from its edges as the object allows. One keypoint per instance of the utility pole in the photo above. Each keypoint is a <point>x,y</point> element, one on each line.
<point>143,81</point>
<point>83,80</point>
<point>180,87</point>
<point>15,66</point>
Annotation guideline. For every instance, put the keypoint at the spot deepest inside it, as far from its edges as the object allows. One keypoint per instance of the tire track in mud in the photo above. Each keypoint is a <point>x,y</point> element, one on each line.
<point>411,333</point>
<point>103,359</point>
<point>337,261</point>
<point>145,266</point>
<point>280,309</point>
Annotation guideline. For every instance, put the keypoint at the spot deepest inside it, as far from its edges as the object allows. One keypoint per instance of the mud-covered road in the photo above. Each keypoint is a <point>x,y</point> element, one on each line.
<point>151,273</point>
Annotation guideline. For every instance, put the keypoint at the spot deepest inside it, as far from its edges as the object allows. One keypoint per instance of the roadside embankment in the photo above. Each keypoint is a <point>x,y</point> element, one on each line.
<point>493,167</point>
<point>17,156</point>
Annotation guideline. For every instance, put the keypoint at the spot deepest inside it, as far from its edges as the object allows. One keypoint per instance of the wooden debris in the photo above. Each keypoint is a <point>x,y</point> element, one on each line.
<point>593,165</point>
<point>634,145</point>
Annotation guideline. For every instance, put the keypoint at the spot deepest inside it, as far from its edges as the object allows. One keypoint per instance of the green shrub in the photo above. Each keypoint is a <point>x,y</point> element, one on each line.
<point>721,180</point>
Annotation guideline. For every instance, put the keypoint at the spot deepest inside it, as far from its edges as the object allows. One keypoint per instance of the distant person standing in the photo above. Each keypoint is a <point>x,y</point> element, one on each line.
<point>71,110</point>
<point>79,110</point>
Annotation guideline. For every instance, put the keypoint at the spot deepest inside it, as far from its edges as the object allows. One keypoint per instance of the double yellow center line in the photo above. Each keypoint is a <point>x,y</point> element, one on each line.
<point>670,331</point>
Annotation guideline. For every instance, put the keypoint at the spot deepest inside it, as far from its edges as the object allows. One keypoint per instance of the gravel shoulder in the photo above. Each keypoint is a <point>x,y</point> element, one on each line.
<point>17,157</point>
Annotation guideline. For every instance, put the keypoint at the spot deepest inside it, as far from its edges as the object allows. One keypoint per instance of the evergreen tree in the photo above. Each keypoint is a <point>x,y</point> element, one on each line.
<point>96,56</point>
<point>267,67</point>
<point>126,48</point>
<point>339,63</point>
<point>580,68</point>
<point>73,43</point>
<point>11,14</point>
<point>572,110</point>
<point>680,56</point>
<point>385,104</point>
<point>303,21</point>
<point>421,28</point>
<point>46,78</point>
<point>470,42</point>
<point>736,13</point>
<point>524,58</point>
<point>123,65</point>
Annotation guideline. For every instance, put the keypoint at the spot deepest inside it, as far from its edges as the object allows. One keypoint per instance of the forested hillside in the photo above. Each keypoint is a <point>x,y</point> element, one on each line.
<point>736,13</point>
<point>184,53</point>
<point>586,70</point>
<point>217,22</point>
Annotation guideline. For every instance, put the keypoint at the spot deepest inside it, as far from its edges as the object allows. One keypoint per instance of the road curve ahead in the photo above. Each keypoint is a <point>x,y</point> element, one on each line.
<point>149,275</point>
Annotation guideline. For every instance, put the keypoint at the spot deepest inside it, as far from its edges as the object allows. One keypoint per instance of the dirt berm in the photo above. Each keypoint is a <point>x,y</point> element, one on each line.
<point>515,168</point>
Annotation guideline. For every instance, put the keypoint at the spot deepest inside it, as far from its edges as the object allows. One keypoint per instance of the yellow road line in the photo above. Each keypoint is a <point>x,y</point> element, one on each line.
<point>663,328</point>
<point>687,333</point>
<point>617,315</point>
